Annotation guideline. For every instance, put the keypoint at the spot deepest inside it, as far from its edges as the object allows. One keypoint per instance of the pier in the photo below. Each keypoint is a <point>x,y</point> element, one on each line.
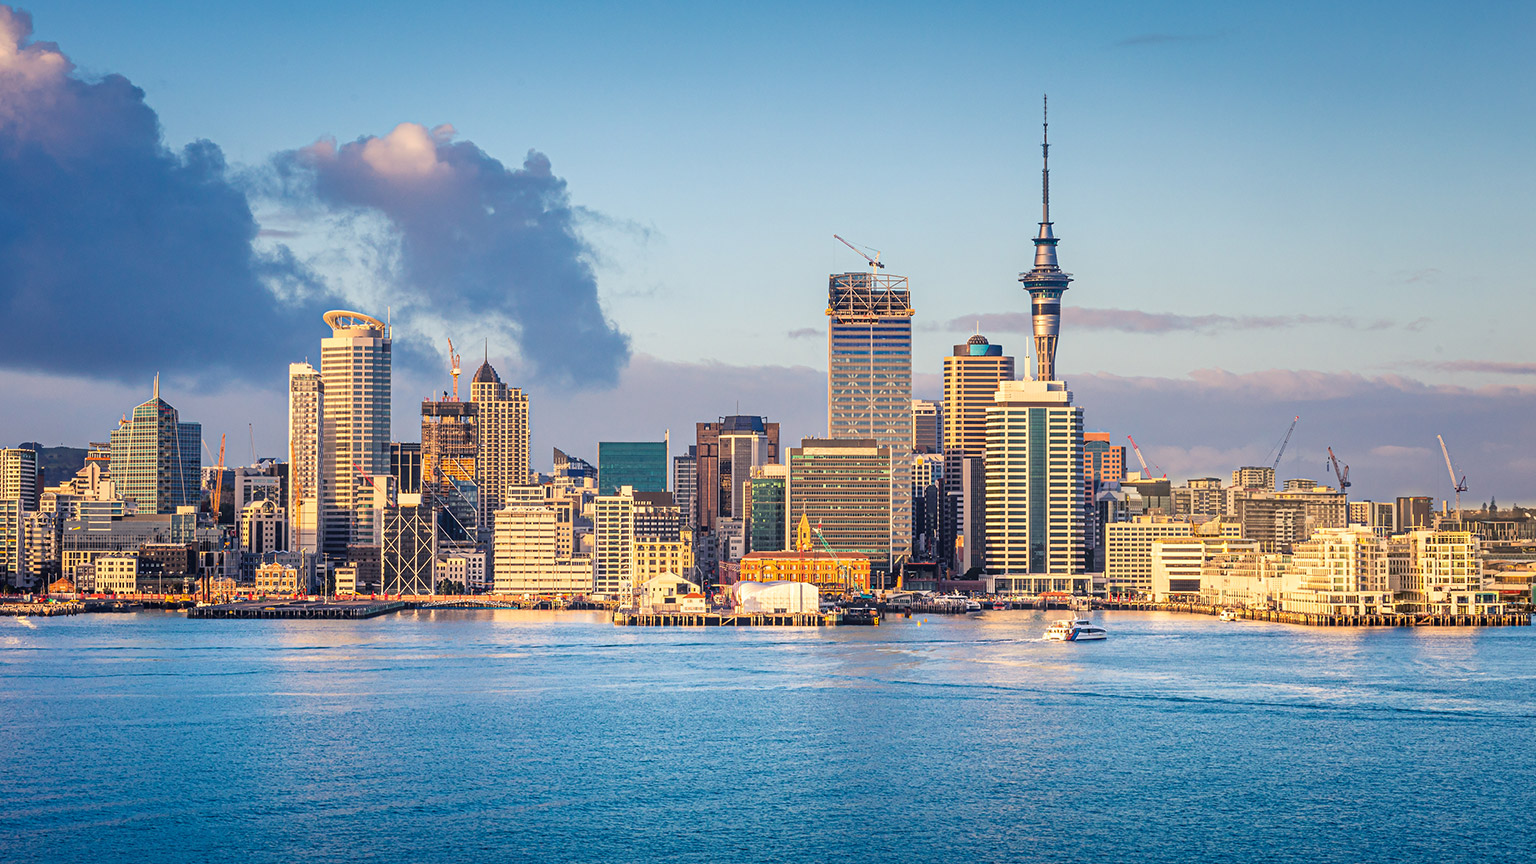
<point>726,619</point>
<point>300,609</point>
<point>1318,620</point>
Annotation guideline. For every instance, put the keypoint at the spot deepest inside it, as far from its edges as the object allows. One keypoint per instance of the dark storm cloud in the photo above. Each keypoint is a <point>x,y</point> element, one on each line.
<point>478,242</point>
<point>118,256</point>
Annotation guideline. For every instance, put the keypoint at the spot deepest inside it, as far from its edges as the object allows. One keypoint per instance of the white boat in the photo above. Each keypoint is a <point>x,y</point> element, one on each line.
<point>1074,630</point>
<point>972,607</point>
<point>1229,614</point>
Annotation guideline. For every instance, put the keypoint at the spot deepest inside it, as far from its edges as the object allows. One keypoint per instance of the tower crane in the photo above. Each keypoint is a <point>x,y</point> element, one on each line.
<point>454,369</point>
<point>1145,471</point>
<point>874,263</point>
<point>1343,474</point>
<point>1287,440</point>
<point>1459,485</point>
<point>218,482</point>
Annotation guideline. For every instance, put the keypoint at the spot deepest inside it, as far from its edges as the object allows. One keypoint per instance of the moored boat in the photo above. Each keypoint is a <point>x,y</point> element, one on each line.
<point>1075,630</point>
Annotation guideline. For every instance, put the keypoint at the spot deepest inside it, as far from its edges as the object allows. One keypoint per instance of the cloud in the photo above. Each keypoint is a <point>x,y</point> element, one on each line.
<point>1488,366</point>
<point>1212,421</point>
<point>1137,321</point>
<point>476,241</point>
<point>119,256</point>
<point>805,333</point>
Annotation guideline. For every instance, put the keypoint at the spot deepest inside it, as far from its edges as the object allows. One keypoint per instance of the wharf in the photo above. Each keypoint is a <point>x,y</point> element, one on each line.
<point>726,619</point>
<point>1317,620</point>
<point>299,609</point>
<point>40,610</point>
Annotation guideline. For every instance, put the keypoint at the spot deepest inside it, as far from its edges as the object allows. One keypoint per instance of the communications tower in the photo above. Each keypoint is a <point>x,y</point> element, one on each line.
<point>1047,280</point>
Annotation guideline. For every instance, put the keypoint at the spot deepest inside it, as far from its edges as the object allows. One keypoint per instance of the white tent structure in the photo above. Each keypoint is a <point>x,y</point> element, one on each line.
<point>776,597</point>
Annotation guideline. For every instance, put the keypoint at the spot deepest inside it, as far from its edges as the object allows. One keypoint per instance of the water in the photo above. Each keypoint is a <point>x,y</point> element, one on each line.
<point>525,736</point>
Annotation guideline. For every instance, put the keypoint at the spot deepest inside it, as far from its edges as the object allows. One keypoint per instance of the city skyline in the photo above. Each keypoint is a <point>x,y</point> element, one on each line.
<point>1204,376</point>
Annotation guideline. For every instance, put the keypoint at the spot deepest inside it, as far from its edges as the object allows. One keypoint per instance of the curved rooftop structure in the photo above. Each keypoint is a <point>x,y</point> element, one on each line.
<point>486,375</point>
<point>342,319</point>
<point>978,339</point>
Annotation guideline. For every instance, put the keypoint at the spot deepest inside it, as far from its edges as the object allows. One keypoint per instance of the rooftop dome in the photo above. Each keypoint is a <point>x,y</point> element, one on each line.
<point>978,339</point>
<point>486,375</point>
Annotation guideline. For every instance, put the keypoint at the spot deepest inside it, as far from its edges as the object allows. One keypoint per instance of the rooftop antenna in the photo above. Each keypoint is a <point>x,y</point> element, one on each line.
<point>157,385</point>
<point>1045,151</point>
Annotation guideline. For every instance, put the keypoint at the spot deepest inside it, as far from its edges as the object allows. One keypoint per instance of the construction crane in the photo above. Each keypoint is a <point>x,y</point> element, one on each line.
<point>1281,454</point>
<point>1146,472</point>
<point>1459,485</point>
<point>454,369</point>
<point>1343,474</point>
<point>874,263</point>
<point>844,574</point>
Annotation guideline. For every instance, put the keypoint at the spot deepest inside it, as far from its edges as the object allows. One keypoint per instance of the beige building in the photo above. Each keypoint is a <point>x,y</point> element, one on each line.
<point>355,373</point>
<point>1341,571</point>
<point>1128,548</point>
<point>1180,565</point>
<point>503,421</point>
<point>117,573</point>
<point>272,580</point>
<point>668,592</point>
<point>1445,575</point>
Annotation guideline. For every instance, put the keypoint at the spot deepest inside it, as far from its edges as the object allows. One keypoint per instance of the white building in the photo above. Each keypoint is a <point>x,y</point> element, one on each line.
<point>355,369</point>
<point>613,523</point>
<point>1034,489</point>
<point>528,559</point>
<point>117,573</point>
<point>1128,558</point>
<point>1180,564</point>
<point>666,593</point>
<point>306,393</point>
<point>1445,575</point>
<point>776,598</point>
<point>263,527</point>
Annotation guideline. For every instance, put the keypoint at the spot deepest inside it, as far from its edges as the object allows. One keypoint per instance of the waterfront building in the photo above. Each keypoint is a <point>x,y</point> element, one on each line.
<point>409,551</point>
<point>613,523</point>
<point>464,570</point>
<point>1244,577</point>
<point>450,478</point>
<point>117,573</point>
<point>926,427</point>
<point>1180,564</point>
<point>834,575</point>
<point>765,512</point>
<point>971,375</point>
<point>1445,575</point>
<point>42,547</point>
<point>640,465</point>
<point>355,371</point>
<point>263,527</point>
<point>1261,477</point>
<point>842,488</point>
<point>669,592</point>
<point>13,544</point>
<point>405,466</point>
<point>1128,548</point>
<point>1279,520</point>
<point>277,580</point>
<point>663,541</point>
<point>1341,571</point>
<point>156,459</point>
<point>1034,492</point>
<point>502,417</point>
<point>525,550</point>
<point>869,386</point>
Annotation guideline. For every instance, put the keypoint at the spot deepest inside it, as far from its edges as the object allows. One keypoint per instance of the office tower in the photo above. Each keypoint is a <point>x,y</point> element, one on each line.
<point>18,476</point>
<point>18,484</point>
<point>405,466</point>
<point>355,368</point>
<point>408,554</point>
<point>764,511</point>
<point>613,523</point>
<point>869,382</point>
<point>926,424</point>
<point>450,482</point>
<point>927,495</point>
<point>1254,477</point>
<point>685,484</point>
<point>1034,470</point>
<point>640,465</point>
<point>841,486</point>
<point>525,548</point>
<point>263,528</point>
<point>971,375</point>
<point>1103,470</point>
<point>1046,281</point>
<point>156,459</point>
<point>503,426</point>
<point>715,479</point>
<point>306,405</point>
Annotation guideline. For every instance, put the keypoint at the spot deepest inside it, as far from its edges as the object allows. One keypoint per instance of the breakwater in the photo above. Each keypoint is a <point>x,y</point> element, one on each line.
<point>1310,619</point>
<point>40,610</point>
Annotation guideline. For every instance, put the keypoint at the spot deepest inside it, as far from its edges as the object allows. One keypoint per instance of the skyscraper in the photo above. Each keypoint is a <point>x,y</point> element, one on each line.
<point>1046,281</point>
<point>306,396</point>
<point>972,373</point>
<point>450,482</point>
<point>503,426</point>
<point>355,368</point>
<point>156,459</point>
<point>869,382</point>
<point>641,465</point>
<point>925,427</point>
<point>1034,469</point>
<point>716,462</point>
<point>842,487</point>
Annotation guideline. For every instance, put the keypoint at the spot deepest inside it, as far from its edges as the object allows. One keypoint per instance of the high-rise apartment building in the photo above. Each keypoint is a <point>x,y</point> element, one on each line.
<point>156,459</point>
<point>640,465</point>
<point>1254,477</point>
<point>869,383</point>
<point>841,486</point>
<point>18,476</point>
<point>613,524</point>
<point>502,417</point>
<point>355,369</point>
<point>971,375</point>
<point>306,406</point>
<point>1034,470</point>
<point>18,492</point>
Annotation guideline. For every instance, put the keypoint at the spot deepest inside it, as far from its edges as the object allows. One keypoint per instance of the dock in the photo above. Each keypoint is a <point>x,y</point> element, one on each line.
<point>1308,619</point>
<point>726,619</point>
<point>311,610</point>
<point>40,610</point>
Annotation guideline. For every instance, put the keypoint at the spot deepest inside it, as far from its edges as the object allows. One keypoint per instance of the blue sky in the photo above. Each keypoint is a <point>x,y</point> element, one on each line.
<point>1330,199</point>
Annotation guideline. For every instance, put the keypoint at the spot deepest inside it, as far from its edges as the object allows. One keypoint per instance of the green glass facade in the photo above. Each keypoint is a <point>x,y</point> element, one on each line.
<point>157,460</point>
<point>640,464</point>
<point>766,514</point>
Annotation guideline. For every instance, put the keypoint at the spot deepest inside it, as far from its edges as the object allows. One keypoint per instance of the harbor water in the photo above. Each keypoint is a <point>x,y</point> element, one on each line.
<point>555,736</point>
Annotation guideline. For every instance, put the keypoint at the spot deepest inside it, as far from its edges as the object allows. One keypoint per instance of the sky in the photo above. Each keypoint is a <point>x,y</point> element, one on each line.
<point>1269,211</point>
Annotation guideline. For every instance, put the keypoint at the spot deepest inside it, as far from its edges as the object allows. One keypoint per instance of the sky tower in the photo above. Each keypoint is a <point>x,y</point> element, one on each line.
<point>1046,281</point>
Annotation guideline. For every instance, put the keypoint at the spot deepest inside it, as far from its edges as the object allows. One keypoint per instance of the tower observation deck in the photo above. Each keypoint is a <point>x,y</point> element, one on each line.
<point>1046,281</point>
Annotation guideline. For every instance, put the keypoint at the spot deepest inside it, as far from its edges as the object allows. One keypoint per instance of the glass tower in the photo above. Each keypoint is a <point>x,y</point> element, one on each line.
<point>641,465</point>
<point>156,459</point>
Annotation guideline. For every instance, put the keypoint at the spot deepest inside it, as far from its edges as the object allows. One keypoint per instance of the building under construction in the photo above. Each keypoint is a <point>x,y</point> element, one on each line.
<point>449,480</point>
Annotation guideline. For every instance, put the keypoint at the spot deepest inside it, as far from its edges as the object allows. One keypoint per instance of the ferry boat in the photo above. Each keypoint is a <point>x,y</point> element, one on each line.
<point>1229,614</point>
<point>1074,630</point>
<point>972,607</point>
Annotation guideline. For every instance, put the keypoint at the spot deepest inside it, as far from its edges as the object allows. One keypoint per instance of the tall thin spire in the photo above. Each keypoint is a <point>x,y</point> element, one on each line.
<point>1046,281</point>
<point>1045,152</point>
<point>157,385</point>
